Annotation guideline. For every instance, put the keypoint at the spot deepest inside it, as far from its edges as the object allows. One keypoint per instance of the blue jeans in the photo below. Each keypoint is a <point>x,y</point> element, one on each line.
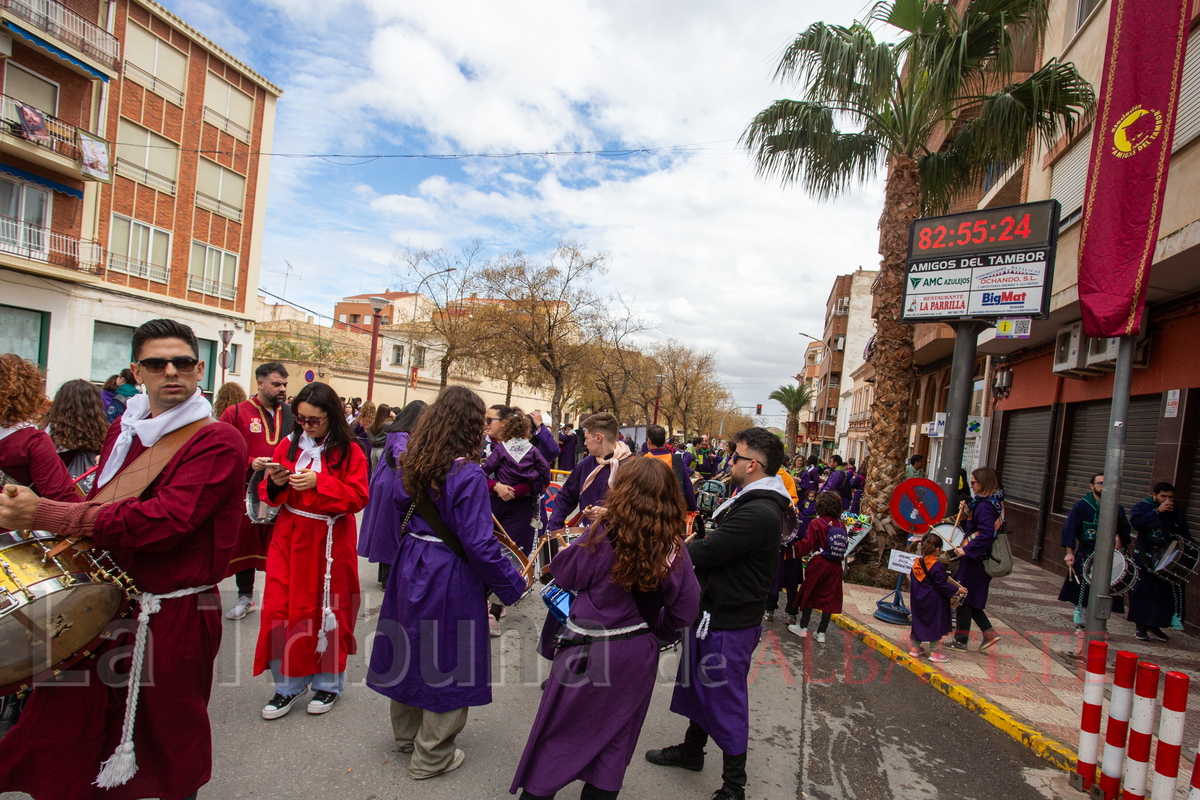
<point>321,682</point>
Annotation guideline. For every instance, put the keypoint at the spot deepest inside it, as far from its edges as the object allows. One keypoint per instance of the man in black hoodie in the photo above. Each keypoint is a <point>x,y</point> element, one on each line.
<point>735,565</point>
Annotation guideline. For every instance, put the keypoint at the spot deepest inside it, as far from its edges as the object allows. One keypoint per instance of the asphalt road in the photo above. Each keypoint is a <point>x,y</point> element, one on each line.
<point>827,721</point>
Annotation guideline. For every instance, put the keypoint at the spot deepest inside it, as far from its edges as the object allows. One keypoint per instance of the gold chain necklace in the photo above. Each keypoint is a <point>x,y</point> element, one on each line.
<point>268,423</point>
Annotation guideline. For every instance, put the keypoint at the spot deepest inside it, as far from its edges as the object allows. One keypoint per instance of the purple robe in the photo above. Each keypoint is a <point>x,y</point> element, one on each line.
<point>380,533</point>
<point>970,571</point>
<point>528,477</point>
<point>432,649</point>
<point>711,686</point>
<point>613,692</point>
<point>543,440</point>
<point>809,479</point>
<point>566,455</point>
<point>858,485</point>
<point>836,480</point>
<point>572,495</point>
<point>930,600</point>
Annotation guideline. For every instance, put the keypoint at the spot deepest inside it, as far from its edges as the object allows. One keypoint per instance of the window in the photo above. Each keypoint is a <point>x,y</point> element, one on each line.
<point>1086,7</point>
<point>354,319</point>
<point>24,220</point>
<point>155,64</point>
<point>112,350</point>
<point>235,352</point>
<point>146,157</point>
<point>25,333</point>
<point>219,189</point>
<point>397,355</point>
<point>228,108</point>
<point>209,350</point>
<point>138,249</point>
<point>418,356</point>
<point>213,271</point>
<point>341,317</point>
<point>34,90</point>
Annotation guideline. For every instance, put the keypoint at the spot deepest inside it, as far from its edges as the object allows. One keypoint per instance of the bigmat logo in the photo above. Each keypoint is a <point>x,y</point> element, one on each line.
<point>1004,298</point>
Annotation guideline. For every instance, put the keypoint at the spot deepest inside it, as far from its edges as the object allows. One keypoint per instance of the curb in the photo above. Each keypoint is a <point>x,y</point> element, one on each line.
<point>1054,752</point>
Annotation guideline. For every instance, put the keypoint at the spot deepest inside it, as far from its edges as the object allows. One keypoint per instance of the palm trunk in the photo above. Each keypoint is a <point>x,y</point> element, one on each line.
<point>892,353</point>
<point>793,429</point>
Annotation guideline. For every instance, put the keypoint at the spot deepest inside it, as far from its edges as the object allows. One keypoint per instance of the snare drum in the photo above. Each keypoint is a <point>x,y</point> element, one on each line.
<point>1177,561</point>
<point>1124,573</point>
<point>260,513</point>
<point>53,611</point>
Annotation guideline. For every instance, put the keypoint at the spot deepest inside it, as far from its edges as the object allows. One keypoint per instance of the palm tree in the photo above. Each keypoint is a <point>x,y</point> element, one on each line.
<point>793,399</point>
<point>945,102</point>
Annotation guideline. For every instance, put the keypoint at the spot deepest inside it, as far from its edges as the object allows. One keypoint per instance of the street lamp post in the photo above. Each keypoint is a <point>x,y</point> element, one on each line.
<point>377,304</point>
<point>413,324</point>
<point>658,397</point>
<point>825,389</point>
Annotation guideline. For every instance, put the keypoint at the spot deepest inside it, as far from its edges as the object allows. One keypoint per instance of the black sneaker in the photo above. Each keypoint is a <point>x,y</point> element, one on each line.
<point>1158,634</point>
<point>1141,635</point>
<point>322,701</point>
<point>954,644</point>
<point>675,756</point>
<point>724,793</point>
<point>281,705</point>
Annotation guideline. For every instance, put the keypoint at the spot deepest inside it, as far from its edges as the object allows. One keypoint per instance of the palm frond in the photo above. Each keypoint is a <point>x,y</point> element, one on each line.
<point>792,398</point>
<point>840,65</point>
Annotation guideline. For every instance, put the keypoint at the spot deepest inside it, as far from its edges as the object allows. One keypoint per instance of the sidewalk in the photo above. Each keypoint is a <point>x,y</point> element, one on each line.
<point>1033,674</point>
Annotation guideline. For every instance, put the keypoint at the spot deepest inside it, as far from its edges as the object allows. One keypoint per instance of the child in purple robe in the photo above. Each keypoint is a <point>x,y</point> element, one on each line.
<point>635,583</point>
<point>930,593</point>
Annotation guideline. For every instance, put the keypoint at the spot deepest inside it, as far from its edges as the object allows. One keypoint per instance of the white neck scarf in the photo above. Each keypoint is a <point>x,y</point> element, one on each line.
<point>772,484</point>
<point>6,432</point>
<point>310,453</point>
<point>136,421</point>
<point>619,454</point>
<point>517,448</point>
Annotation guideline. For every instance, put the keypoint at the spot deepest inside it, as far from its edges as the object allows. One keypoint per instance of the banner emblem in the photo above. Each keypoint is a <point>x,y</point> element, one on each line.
<point>1135,131</point>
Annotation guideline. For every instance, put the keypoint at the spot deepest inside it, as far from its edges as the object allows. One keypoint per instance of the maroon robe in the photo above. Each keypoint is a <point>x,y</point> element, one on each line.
<point>30,458</point>
<point>822,587</point>
<point>178,534</point>
<point>255,426</point>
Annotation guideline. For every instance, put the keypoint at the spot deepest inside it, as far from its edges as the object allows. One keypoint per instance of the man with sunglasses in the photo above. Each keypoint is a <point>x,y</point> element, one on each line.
<point>173,538</point>
<point>735,565</point>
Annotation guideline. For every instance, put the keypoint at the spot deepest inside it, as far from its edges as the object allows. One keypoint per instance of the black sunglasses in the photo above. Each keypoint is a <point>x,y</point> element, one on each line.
<point>184,365</point>
<point>739,457</point>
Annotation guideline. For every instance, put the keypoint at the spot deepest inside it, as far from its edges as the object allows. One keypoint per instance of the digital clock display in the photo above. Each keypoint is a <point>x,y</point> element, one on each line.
<point>988,231</point>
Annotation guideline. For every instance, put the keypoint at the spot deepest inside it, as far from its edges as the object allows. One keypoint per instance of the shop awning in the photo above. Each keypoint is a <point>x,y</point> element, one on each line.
<point>51,50</point>
<point>26,175</point>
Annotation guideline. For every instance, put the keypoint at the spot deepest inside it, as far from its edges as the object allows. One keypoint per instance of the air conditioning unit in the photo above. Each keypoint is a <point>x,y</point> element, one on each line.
<point>1071,351</point>
<point>1102,353</point>
<point>839,343</point>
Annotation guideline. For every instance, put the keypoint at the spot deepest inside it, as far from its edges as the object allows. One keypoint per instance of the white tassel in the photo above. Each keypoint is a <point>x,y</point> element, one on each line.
<point>331,622</point>
<point>119,768</point>
<point>328,620</point>
<point>322,641</point>
<point>702,628</point>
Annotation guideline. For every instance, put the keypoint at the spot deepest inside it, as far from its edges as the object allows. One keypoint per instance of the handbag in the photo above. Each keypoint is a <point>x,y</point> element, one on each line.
<point>999,561</point>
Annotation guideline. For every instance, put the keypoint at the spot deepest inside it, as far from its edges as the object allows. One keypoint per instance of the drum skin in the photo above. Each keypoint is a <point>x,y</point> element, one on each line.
<point>1177,561</point>
<point>1123,577</point>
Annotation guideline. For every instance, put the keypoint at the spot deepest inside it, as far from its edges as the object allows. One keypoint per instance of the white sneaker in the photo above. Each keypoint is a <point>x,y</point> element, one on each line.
<point>493,626</point>
<point>801,632</point>
<point>281,705</point>
<point>241,608</point>
<point>321,702</point>
<point>819,637</point>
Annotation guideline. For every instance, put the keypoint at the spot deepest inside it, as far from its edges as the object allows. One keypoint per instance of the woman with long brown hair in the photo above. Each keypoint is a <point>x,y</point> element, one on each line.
<point>27,455</point>
<point>432,655</point>
<point>77,425</point>
<point>984,516</point>
<point>230,394</point>
<point>633,583</point>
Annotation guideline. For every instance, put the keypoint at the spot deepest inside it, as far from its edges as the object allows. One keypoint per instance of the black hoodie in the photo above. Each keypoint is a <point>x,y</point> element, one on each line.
<point>735,563</point>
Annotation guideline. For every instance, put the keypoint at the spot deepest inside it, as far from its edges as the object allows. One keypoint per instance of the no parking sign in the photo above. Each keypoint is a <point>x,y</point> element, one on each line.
<point>918,504</point>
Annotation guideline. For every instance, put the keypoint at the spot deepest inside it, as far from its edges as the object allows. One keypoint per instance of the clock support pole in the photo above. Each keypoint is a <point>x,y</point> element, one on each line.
<point>962,379</point>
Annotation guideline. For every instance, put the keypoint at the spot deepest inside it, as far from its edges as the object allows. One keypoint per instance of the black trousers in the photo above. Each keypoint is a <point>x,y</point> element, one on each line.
<point>245,582</point>
<point>965,614</point>
<point>589,793</point>
<point>822,626</point>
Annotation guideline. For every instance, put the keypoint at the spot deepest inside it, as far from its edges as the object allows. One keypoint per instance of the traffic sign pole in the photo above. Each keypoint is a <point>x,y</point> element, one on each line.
<point>962,379</point>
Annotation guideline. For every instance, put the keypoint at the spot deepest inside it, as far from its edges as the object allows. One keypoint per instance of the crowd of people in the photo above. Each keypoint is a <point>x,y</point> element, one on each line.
<point>185,494</point>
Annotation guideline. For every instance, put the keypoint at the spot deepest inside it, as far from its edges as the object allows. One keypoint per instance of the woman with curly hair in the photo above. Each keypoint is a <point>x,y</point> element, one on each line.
<point>634,583</point>
<point>431,654</point>
<point>230,394</point>
<point>77,424</point>
<point>27,455</point>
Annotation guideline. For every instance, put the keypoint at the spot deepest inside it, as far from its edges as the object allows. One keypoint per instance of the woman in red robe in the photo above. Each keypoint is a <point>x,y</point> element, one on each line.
<point>311,598</point>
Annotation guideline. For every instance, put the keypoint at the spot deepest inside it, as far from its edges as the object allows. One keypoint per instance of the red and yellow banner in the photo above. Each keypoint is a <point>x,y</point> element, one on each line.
<point>1131,152</point>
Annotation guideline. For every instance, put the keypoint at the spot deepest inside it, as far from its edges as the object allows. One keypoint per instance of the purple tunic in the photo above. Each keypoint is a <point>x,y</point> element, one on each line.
<point>566,455</point>
<point>930,599</point>
<point>858,484</point>
<point>711,687</point>
<point>572,495</point>
<point>379,535</point>
<point>809,479</point>
<point>613,692</point>
<point>970,571</point>
<point>432,649</point>
<point>543,440</point>
<point>528,477</point>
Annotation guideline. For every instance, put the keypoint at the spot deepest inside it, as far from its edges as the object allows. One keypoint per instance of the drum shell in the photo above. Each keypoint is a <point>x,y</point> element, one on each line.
<point>1177,561</point>
<point>1123,577</point>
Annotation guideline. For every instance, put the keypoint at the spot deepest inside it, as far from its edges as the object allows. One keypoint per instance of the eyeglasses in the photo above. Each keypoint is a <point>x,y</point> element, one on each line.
<point>310,422</point>
<point>490,420</point>
<point>739,457</point>
<point>184,365</point>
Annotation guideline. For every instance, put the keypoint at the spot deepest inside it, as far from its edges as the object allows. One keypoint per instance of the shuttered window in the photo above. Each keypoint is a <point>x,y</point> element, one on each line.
<point>1025,439</point>
<point>230,105</point>
<point>1069,178</point>
<point>1087,444</point>
<point>156,65</point>
<point>21,84</point>
<point>1187,125</point>
<point>1193,506</point>
<point>147,150</point>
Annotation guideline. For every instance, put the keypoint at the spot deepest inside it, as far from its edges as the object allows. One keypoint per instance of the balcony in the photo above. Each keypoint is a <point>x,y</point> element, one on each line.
<point>65,25</point>
<point>154,84</point>
<point>61,135</point>
<point>143,175</point>
<point>213,204</point>
<point>35,243</point>
<point>212,288</point>
<point>224,124</point>
<point>137,269</point>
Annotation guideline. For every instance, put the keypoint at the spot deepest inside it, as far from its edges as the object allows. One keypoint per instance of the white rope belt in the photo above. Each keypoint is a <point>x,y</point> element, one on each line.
<point>571,626</point>
<point>328,620</point>
<point>122,764</point>
<point>425,538</point>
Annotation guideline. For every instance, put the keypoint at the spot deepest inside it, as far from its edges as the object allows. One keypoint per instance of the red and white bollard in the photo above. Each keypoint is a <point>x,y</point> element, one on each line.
<point>1170,736</point>
<point>1093,700</point>
<point>1141,728</point>
<point>1119,706</point>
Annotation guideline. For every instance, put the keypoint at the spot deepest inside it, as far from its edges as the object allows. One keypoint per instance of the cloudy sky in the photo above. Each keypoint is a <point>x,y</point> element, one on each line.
<point>709,253</point>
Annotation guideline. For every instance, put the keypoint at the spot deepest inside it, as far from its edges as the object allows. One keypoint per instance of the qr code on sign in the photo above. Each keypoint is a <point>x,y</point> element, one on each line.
<point>1021,327</point>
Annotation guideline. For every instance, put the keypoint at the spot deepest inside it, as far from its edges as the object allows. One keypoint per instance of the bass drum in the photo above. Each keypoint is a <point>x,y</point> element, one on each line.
<point>1124,573</point>
<point>53,611</point>
<point>1177,561</point>
<point>259,512</point>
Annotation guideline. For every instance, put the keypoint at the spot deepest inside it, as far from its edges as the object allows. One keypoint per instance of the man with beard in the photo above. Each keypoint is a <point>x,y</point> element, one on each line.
<point>1079,540</point>
<point>262,421</point>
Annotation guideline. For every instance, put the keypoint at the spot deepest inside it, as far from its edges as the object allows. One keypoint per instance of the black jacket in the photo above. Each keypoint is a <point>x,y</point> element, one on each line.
<point>735,563</point>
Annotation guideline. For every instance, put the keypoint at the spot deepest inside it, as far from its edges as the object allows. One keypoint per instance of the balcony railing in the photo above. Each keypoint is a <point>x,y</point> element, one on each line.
<point>213,204</point>
<point>212,287</point>
<point>226,124</point>
<point>137,269</point>
<point>36,243</point>
<point>59,138</point>
<point>67,26</point>
<point>156,85</point>
<point>143,175</point>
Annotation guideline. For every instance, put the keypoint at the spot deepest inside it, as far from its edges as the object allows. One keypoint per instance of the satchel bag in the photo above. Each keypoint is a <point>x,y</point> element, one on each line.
<point>999,561</point>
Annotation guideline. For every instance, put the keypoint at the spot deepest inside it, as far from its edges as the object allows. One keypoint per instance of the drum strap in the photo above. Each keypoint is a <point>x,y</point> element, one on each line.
<point>134,479</point>
<point>429,512</point>
<point>328,619</point>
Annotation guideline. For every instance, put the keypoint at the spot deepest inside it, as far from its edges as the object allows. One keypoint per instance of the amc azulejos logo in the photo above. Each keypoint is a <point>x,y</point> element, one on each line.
<point>1135,131</point>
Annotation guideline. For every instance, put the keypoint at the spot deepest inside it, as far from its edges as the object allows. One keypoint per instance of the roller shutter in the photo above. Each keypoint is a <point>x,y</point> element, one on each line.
<point>1087,442</point>
<point>1025,435</point>
<point>1193,506</point>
